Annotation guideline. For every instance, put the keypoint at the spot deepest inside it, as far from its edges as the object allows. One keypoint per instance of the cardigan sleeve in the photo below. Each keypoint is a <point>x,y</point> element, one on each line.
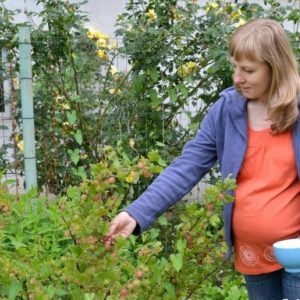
<point>198,156</point>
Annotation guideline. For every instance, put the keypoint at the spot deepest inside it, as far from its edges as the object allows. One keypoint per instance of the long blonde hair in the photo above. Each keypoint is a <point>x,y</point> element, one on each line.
<point>265,40</point>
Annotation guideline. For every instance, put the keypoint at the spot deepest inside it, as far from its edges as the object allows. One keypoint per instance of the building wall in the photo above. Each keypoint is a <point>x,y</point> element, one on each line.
<point>102,13</point>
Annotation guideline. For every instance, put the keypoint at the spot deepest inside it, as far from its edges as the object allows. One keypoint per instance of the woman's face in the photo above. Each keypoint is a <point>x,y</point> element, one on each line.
<point>252,78</point>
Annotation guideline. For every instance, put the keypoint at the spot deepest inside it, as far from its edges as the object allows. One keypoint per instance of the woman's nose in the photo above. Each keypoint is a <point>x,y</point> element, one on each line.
<point>238,77</point>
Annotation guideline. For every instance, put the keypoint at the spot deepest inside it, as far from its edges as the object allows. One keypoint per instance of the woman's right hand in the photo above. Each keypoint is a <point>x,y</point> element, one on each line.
<point>121,225</point>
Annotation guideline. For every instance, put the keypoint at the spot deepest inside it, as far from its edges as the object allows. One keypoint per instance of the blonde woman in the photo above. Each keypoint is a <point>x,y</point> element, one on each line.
<point>253,131</point>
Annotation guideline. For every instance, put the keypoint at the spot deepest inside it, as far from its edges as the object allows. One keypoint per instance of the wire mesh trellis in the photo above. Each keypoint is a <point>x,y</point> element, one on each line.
<point>10,155</point>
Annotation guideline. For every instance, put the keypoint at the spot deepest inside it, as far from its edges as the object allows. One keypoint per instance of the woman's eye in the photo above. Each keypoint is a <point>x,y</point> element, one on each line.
<point>249,71</point>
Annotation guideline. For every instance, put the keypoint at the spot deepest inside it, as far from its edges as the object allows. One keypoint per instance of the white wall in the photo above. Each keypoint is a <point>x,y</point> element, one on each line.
<point>102,13</point>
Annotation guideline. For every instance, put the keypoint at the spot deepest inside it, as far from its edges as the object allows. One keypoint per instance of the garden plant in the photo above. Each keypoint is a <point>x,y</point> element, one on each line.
<point>53,250</point>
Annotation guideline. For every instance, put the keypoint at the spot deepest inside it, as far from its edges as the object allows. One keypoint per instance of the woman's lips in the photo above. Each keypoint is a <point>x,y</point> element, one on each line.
<point>245,89</point>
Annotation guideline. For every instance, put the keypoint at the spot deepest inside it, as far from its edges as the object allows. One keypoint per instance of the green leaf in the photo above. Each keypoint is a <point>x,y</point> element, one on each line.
<point>14,289</point>
<point>74,156</point>
<point>154,74</point>
<point>132,239</point>
<point>155,100</point>
<point>156,169</point>
<point>162,162</point>
<point>294,15</point>
<point>51,291</point>
<point>173,94</point>
<point>138,83</point>
<point>78,137</point>
<point>89,296</point>
<point>76,98</point>
<point>17,244</point>
<point>170,290</point>
<point>181,246</point>
<point>214,220</point>
<point>154,233</point>
<point>153,156</point>
<point>71,115</point>
<point>176,260</point>
<point>184,91</point>
<point>73,193</point>
<point>162,220</point>
<point>10,181</point>
<point>80,172</point>
<point>159,144</point>
<point>234,293</point>
<point>78,250</point>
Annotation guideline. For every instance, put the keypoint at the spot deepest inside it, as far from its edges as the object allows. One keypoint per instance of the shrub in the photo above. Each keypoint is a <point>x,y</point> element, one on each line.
<point>53,250</point>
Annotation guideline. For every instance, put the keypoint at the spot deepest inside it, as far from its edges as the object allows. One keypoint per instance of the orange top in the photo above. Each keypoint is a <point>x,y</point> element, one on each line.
<point>267,201</point>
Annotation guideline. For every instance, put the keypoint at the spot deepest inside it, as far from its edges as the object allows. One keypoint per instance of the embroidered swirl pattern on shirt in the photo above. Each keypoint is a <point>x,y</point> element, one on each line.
<point>269,254</point>
<point>248,255</point>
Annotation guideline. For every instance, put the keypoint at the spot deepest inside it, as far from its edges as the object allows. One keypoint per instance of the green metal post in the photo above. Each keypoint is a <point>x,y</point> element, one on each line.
<point>27,107</point>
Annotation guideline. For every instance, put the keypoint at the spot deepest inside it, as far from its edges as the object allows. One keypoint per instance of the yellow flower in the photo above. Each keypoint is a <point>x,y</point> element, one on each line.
<point>20,145</point>
<point>65,106</point>
<point>83,156</point>
<point>16,83</point>
<point>151,15</point>
<point>240,23</point>
<point>211,5</point>
<point>191,65</point>
<point>97,34</point>
<point>131,143</point>
<point>102,54</point>
<point>90,33</point>
<point>175,14</point>
<point>112,46</point>
<point>183,71</point>
<point>131,178</point>
<point>187,69</point>
<point>101,43</point>
<point>104,36</point>
<point>115,91</point>
<point>58,98</point>
<point>113,70</point>
<point>236,15</point>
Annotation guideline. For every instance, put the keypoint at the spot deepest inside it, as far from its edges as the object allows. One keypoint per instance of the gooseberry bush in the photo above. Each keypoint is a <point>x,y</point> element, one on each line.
<point>54,250</point>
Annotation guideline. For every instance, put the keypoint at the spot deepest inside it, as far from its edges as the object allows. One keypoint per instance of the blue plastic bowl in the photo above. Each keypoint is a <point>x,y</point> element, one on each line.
<point>287,253</point>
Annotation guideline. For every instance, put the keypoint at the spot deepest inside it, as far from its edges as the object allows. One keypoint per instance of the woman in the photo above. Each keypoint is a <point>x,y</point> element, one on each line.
<point>253,131</point>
